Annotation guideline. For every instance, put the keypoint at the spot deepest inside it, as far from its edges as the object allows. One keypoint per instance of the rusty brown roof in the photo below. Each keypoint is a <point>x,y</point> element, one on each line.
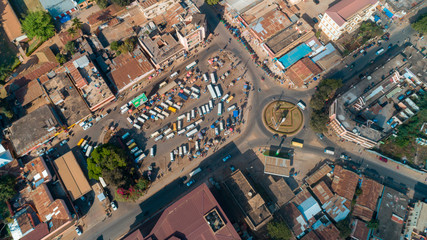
<point>329,232</point>
<point>294,218</point>
<point>28,93</point>
<point>186,217</point>
<point>322,192</point>
<point>303,71</point>
<point>147,3</point>
<point>310,236</point>
<point>344,182</point>
<point>318,174</point>
<point>37,169</point>
<point>39,232</point>
<point>362,212</point>
<point>104,14</point>
<point>345,9</point>
<point>371,191</point>
<point>360,230</point>
<point>49,209</point>
<point>65,37</point>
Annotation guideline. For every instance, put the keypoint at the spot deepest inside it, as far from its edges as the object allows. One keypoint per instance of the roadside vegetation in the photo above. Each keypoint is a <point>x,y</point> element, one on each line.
<point>403,144</point>
<point>212,2</point>
<point>7,186</point>
<point>320,103</point>
<point>366,31</point>
<point>112,164</point>
<point>421,24</point>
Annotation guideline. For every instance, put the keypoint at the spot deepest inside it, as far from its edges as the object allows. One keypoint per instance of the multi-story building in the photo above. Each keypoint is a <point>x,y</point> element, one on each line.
<point>345,16</point>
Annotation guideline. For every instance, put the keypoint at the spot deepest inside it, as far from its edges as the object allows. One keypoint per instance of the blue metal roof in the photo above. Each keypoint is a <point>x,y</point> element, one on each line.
<point>57,7</point>
<point>329,49</point>
<point>309,208</point>
<point>294,55</point>
<point>388,13</point>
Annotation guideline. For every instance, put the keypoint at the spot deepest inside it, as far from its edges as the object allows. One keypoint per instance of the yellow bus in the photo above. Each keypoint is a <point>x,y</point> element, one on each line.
<point>229,99</point>
<point>80,142</point>
<point>297,143</point>
<point>174,126</point>
<point>132,145</point>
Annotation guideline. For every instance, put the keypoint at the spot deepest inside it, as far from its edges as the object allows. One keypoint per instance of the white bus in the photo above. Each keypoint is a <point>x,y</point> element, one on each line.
<point>195,171</point>
<point>171,135</point>
<point>179,125</point>
<point>145,116</point>
<point>231,108</point>
<point>188,92</point>
<point>224,97</point>
<point>203,109</point>
<point>198,122</point>
<point>182,116</point>
<point>142,120</point>
<point>200,111</point>
<point>88,151</point>
<point>160,116</point>
<point>208,110</point>
<point>195,95</point>
<point>169,102</point>
<point>136,126</point>
<point>167,131</point>
<point>158,138</point>
<point>205,77</point>
<point>188,116</point>
<point>212,91</point>
<point>180,132</point>
<point>197,145</point>
<point>191,65</point>
<point>175,74</point>
<point>220,109</point>
<point>176,106</point>
<point>164,113</point>
<point>172,156</point>
<point>193,113</point>
<point>221,125</point>
<point>192,132</point>
<point>301,105</point>
<point>142,156</point>
<point>155,134</point>
<point>191,126</point>
<point>218,91</point>
<point>211,106</point>
<point>194,89</point>
<point>152,112</point>
<point>213,79</point>
<point>164,105</point>
<point>184,149</point>
<point>180,151</point>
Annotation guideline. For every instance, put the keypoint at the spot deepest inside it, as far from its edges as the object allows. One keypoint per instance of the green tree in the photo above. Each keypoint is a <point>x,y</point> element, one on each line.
<point>344,227</point>
<point>116,177</point>
<point>61,58</point>
<point>70,47</point>
<point>212,2</point>
<point>421,24</point>
<point>114,45</point>
<point>38,24</point>
<point>373,224</point>
<point>278,230</point>
<point>142,184</point>
<point>122,2</point>
<point>318,121</point>
<point>72,32</point>
<point>6,109</point>
<point>359,191</point>
<point>105,158</point>
<point>102,3</point>
<point>77,24</point>
<point>7,186</point>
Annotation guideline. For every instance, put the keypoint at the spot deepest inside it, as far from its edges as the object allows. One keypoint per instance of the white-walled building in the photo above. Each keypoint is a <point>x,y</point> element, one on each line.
<point>346,16</point>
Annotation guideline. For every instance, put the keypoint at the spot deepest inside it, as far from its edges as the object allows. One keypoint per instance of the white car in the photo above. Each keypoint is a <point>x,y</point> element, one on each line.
<point>113,206</point>
<point>87,126</point>
<point>78,231</point>
<point>320,16</point>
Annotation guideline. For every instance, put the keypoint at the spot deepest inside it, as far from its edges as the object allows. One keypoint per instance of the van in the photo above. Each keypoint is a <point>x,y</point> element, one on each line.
<point>301,105</point>
<point>229,99</point>
<point>231,108</point>
<point>180,151</point>
<point>142,120</point>
<point>171,135</point>
<point>179,125</point>
<point>129,120</point>
<point>155,134</point>
<point>130,142</point>
<point>195,171</point>
<point>297,143</point>
<point>225,97</point>
<point>173,75</point>
<point>180,117</point>
<point>152,153</point>
<point>211,106</point>
<point>193,114</point>
<point>172,156</point>
<point>208,110</point>
<point>158,138</point>
<point>205,77</point>
<point>136,126</point>
<point>145,116</point>
<point>200,111</point>
<point>132,145</point>
<point>188,117</point>
<point>180,132</point>
<point>184,149</point>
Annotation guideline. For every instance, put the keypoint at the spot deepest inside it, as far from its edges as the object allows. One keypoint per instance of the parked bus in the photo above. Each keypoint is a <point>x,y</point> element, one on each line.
<point>164,113</point>
<point>301,105</point>
<point>136,126</point>
<point>193,114</point>
<point>199,109</point>
<point>208,110</point>
<point>195,95</point>
<point>176,106</point>
<point>155,134</point>
<point>169,102</point>
<point>172,109</point>
<point>219,108</point>
<point>211,106</point>
<point>172,156</point>
<point>218,91</point>
<point>213,79</point>
<point>180,132</point>
<point>145,116</point>
<point>197,145</point>
<point>125,135</point>
<point>82,140</point>
<point>179,125</point>
<point>164,105</point>
<point>205,77</point>
<point>142,156</point>
<point>191,126</point>
<point>142,120</point>
<point>229,99</point>
<point>171,135</point>
<point>83,144</point>
<point>180,117</point>
<point>212,91</point>
<point>158,138</point>
<point>132,145</point>
<point>175,74</point>
<point>225,97</point>
<point>192,132</point>
<point>198,122</point>
<point>194,89</point>
<point>231,108</point>
<point>191,65</point>
<point>88,151</point>
<point>174,126</point>
<point>130,142</point>
<point>194,172</point>
<point>188,116</point>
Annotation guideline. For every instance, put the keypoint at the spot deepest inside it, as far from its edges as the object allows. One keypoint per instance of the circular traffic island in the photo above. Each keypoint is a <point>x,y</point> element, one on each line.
<point>282,117</point>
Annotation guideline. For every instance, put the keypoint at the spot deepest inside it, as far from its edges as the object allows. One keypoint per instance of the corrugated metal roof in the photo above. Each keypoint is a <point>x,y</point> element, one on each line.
<point>57,7</point>
<point>294,55</point>
<point>329,49</point>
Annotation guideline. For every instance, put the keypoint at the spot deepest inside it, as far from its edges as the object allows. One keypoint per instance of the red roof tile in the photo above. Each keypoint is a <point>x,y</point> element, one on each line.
<point>344,182</point>
<point>104,14</point>
<point>371,191</point>
<point>360,230</point>
<point>344,9</point>
<point>329,232</point>
<point>39,232</point>
<point>302,71</point>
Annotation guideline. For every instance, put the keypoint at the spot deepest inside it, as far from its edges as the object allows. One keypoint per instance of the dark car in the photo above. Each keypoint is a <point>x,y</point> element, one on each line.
<point>315,20</point>
<point>316,1</point>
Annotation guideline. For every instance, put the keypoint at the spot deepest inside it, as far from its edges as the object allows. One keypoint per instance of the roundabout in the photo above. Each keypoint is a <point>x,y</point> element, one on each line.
<point>283,117</point>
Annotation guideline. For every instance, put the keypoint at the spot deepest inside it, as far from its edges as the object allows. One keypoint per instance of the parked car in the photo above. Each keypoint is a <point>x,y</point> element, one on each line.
<point>232,168</point>
<point>383,159</point>
<point>320,16</point>
<point>63,142</point>
<point>78,231</point>
<point>315,20</point>
<point>113,206</point>
<point>191,182</point>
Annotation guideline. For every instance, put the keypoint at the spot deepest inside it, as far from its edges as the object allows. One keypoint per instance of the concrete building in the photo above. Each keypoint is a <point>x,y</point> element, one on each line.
<point>345,16</point>
<point>197,215</point>
<point>391,214</point>
<point>89,82</point>
<point>416,223</point>
<point>249,201</point>
<point>279,165</point>
<point>34,129</point>
<point>162,49</point>
<point>279,191</point>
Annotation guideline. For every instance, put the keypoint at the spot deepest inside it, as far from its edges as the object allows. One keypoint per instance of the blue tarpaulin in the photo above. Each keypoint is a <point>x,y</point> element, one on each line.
<point>376,18</point>
<point>296,54</point>
<point>388,13</point>
<point>65,19</point>
<point>235,113</point>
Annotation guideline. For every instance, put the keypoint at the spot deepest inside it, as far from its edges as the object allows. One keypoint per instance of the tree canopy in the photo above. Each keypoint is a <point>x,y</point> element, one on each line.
<point>123,46</point>
<point>344,227</point>
<point>122,2</point>
<point>7,186</point>
<point>278,230</point>
<point>102,3</point>
<point>77,24</point>
<point>104,159</point>
<point>421,24</point>
<point>212,2</point>
<point>38,24</point>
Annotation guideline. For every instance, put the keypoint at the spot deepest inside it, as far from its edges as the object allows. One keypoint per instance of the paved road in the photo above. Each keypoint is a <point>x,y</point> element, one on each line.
<point>131,215</point>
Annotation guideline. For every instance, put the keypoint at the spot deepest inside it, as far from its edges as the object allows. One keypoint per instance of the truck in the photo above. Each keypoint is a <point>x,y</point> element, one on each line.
<point>329,150</point>
<point>183,96</point>
<point>219,108</point>
<point>213,79</point>
<point>191,65</point>
<point>218,91</point>
<point>194,172</point>
<point>212,91</point>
